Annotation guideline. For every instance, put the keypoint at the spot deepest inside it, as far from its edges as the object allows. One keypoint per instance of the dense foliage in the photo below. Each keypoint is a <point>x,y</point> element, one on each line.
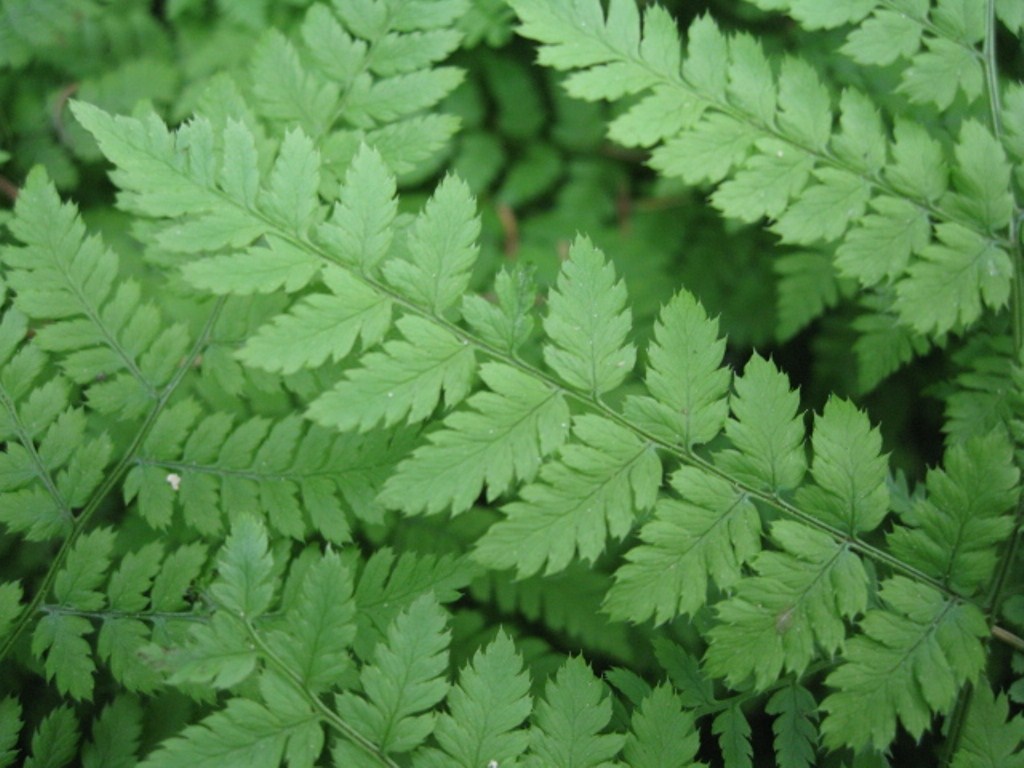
<point>414,383</point>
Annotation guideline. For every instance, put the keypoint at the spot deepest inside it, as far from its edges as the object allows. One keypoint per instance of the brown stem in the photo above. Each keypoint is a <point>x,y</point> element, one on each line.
<point>8,189</point>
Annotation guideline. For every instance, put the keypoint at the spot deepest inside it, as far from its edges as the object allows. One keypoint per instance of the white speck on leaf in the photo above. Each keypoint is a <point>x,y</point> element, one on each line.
<point>174,480</point>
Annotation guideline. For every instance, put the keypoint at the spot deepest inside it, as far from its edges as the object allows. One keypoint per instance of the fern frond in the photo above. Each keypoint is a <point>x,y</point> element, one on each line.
<point>507,323</point>
<point>50,465</point>
<point>121,638</point>
<point>767,141</point>
<point>500,436</point>
<point>952,534</point>
<point>10,727</point>
<point>795,725</point>
<point>604,478</point>
<point>60,637</point>
<point>908,664</point>
<point>939,43</point>
<point>244,732</point>
<point>568,722</point>
<point>320,626</point>
<point>389,584</point>
<point>708,533</point>
<point>375,73</point>
<point>403,382</point>
<point>71,282</point>
<point>588,323</point>
<point>662,733</point>
<point>404,680</point>
<point>733,732</point>
<point>485,712</point>
<point>441,247</point>
<point>319,326</point>
<point>765,429</point>
<point>991,737</point>
<point>299,477</point>
<point>797,604</point>
<point>116,734</point>
<point>55,741</point>
<point>849,471</point>
<point>685,375</point>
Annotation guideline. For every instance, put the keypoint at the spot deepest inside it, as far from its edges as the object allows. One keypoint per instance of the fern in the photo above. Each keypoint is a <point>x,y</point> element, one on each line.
<point>336,441</point>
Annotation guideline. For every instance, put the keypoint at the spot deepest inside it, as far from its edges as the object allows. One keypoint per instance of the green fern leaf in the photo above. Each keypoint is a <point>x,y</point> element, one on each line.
<point>908,664</point>
<point>262,269</point>
<point>568,722</point>
<point>55,741</point>
<point>880,244</point>
<point>243,733</point>
<point>245,583</point>
<point>285,91</point>
<point>952,534</point>
<point>982,178</point>
<point>507,324</point>
<point>61,636</point>
<point>320,626</point>
<point>500,436</point>
<point>402,383</point>
<point>797,603</point>
<point>68,655</point>
<point>807,286</point>
<point>49,466</point>
<point>70,280</point>
<point>442,249</point>
<point>685,375</point>
<point>10,727</point>
<point>709,533</point>
<point>884,37</point>
<point>291,197</point>
<point>218,653</point>
<point>295,475</point>
<point>796,734</point>
<point>320,327</point>
<point>862,139</point>
<point>849,471</point>
<point>388,585</point>
<point>405,680</point>
<point>155,175</point>
<point>484,713</point>
<point>825,208</point>
<point>662,734</point>
<point>588,323</point>
<point>360,231</point>
<point>919,167</point>
<point>594,491</point>
<point>121,638</point>
<point>180,568</point>
<point>947,287</point>
<point>116,734</point>
<point>883,346</point>
<point>10,606</point>
<point>766,429</point>
<point>991,738</point>
<point>945,68</point>
<point>733,732</point>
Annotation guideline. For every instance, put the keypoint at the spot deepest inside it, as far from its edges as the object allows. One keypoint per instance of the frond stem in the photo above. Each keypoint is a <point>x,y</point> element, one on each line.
<point>324,711</point>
